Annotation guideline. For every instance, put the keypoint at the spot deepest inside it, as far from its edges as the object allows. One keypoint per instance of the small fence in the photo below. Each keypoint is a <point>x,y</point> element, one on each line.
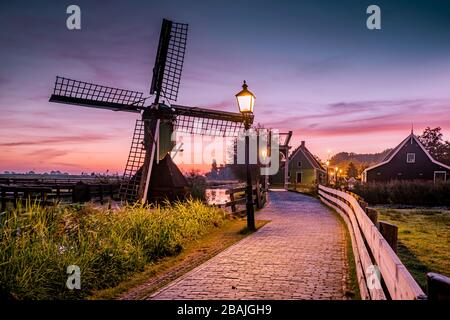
<point>237,197</point>
<point>49,193</point>
<point>371,250</point>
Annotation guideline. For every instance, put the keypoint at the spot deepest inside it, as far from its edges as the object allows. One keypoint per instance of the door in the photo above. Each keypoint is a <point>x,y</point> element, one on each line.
<point>299,177</point>
<point>440,176</point>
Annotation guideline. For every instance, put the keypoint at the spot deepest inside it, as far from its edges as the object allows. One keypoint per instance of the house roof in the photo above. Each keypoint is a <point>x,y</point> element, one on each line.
<point>308,155</point>
<point>394,151</point>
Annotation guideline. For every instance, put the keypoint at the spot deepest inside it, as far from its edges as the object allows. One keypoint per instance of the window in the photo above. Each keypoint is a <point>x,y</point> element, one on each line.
<point>299,177</point>
<point>289,174</point>
<point>410,158</point>
<point>299,164</point>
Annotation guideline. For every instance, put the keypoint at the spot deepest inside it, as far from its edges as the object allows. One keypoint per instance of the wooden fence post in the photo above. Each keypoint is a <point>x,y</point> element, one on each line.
<point>438,287</point>
<point>3,200</point>
<point>233,206</point>
<point>258,195</point>
<point>390,233</point>
<point>111,192</point>
<point>101,193</point>
<point>16,196</point>
<point>373,215</point>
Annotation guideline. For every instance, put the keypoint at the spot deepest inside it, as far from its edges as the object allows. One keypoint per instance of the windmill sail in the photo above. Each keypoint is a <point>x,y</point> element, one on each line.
<point>169,60</point>
<point>137,172</point>
<point>92,95</point>
<point>129,188</point>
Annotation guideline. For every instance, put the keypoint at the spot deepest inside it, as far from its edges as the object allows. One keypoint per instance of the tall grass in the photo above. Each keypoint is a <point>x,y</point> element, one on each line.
<point>38,243</point>
<point>425,193</point>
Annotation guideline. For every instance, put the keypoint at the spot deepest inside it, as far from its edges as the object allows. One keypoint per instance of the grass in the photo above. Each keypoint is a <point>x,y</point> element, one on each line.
<point>156,275</point>
<point>352,286</point>
<point>37,244</point>
<point>423,240</point>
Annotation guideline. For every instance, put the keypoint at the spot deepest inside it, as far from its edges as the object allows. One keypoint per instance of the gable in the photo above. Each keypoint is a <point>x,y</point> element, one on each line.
<point>410,145</point>
<point>300,156</point>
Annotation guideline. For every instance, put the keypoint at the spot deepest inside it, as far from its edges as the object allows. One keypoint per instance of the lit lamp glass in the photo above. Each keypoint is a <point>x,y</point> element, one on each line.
<point>264,153</point>
<point>245,99</point>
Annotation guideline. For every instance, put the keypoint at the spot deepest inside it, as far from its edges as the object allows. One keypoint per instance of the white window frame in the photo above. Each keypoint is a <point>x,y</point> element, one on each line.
<point>444,172</point>
<point>414,157</point>
<point>299,163</point>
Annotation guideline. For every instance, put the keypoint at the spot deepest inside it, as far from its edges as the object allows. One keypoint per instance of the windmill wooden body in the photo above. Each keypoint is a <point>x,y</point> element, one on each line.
<point>150,171</point>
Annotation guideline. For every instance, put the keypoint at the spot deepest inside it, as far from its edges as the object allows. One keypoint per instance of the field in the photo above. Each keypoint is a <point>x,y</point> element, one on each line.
<point>38,243</point>
<point>423,240</point>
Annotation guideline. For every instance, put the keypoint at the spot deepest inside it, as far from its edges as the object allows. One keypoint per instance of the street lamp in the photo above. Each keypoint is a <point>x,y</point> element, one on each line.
<point>246,101</point>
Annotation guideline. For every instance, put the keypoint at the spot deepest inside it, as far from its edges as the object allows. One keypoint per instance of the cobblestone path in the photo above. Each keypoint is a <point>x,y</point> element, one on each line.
<point>300,254</point>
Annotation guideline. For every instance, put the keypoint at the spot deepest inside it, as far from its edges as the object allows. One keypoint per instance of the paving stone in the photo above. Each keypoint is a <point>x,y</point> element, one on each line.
<point>300,254</point>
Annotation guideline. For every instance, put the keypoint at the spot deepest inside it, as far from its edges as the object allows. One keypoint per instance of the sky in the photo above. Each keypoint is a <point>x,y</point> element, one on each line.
<point>314,67</point>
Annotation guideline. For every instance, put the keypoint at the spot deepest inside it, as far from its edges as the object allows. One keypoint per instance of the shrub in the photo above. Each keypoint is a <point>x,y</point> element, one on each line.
<point>197,185</point>
<point>38,243</point>
<point>425,193</point>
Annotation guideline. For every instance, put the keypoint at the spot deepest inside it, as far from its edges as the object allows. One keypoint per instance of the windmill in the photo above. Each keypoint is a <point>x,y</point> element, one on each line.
<point>150,170</point>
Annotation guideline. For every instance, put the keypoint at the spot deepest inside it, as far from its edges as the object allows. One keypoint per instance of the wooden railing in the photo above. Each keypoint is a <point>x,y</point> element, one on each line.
<point>371,251</point>
<point>238,197</point>
<point>50,192</point>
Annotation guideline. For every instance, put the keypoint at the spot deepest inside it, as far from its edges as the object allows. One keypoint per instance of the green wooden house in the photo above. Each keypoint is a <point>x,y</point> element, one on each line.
<point>304,169</point>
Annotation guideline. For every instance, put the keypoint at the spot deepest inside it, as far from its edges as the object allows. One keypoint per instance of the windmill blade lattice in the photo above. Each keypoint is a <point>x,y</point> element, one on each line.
<point>209,127</point>
<point>92,95</point>
<point>169,60</point>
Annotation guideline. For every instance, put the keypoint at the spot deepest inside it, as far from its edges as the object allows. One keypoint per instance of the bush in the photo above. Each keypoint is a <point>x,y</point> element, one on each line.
<point>197,185</point>
<point>425,193</point>
<point>38,243</point>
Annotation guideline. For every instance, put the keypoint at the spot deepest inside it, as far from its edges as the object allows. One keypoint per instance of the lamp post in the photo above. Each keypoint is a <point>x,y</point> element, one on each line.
<point>328,166</point>
<point>246,101</point>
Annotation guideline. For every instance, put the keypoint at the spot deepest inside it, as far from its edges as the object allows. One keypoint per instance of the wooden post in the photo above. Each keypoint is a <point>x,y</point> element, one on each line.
<point>438,287</point>
<point>363,204</point>
<point>58,192</point>
<point>16,195</point>
<point>233,206</point>
<point>258,195</point>
<point>101,193</point>
<point>3,200</point>
<point>373,215</point>
<point>390,233</point>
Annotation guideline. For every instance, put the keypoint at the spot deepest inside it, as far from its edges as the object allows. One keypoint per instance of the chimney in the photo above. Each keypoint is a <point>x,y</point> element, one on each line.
<point>303,145</point>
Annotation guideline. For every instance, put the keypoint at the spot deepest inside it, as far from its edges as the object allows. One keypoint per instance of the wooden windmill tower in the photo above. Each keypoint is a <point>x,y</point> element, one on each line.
<point>150,171</point>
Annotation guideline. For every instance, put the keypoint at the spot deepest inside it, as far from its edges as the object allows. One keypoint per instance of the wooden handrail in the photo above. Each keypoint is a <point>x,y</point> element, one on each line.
<point>371,249</point>
<point>238,197</point>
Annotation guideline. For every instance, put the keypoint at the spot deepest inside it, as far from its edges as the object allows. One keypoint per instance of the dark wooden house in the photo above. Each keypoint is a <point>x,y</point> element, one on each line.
<point>408,161</point>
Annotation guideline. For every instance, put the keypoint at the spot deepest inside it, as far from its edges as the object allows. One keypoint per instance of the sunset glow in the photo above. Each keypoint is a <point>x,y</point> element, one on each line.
<point>317,72</point>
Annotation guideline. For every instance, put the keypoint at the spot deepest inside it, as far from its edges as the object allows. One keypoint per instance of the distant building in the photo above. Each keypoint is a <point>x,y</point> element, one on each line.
<point>303,168</point>
<point>408,161</point>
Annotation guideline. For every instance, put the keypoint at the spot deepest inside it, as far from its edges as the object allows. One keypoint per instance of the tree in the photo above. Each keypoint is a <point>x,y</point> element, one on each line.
<point>432,140</point>
<point>352,171</point>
